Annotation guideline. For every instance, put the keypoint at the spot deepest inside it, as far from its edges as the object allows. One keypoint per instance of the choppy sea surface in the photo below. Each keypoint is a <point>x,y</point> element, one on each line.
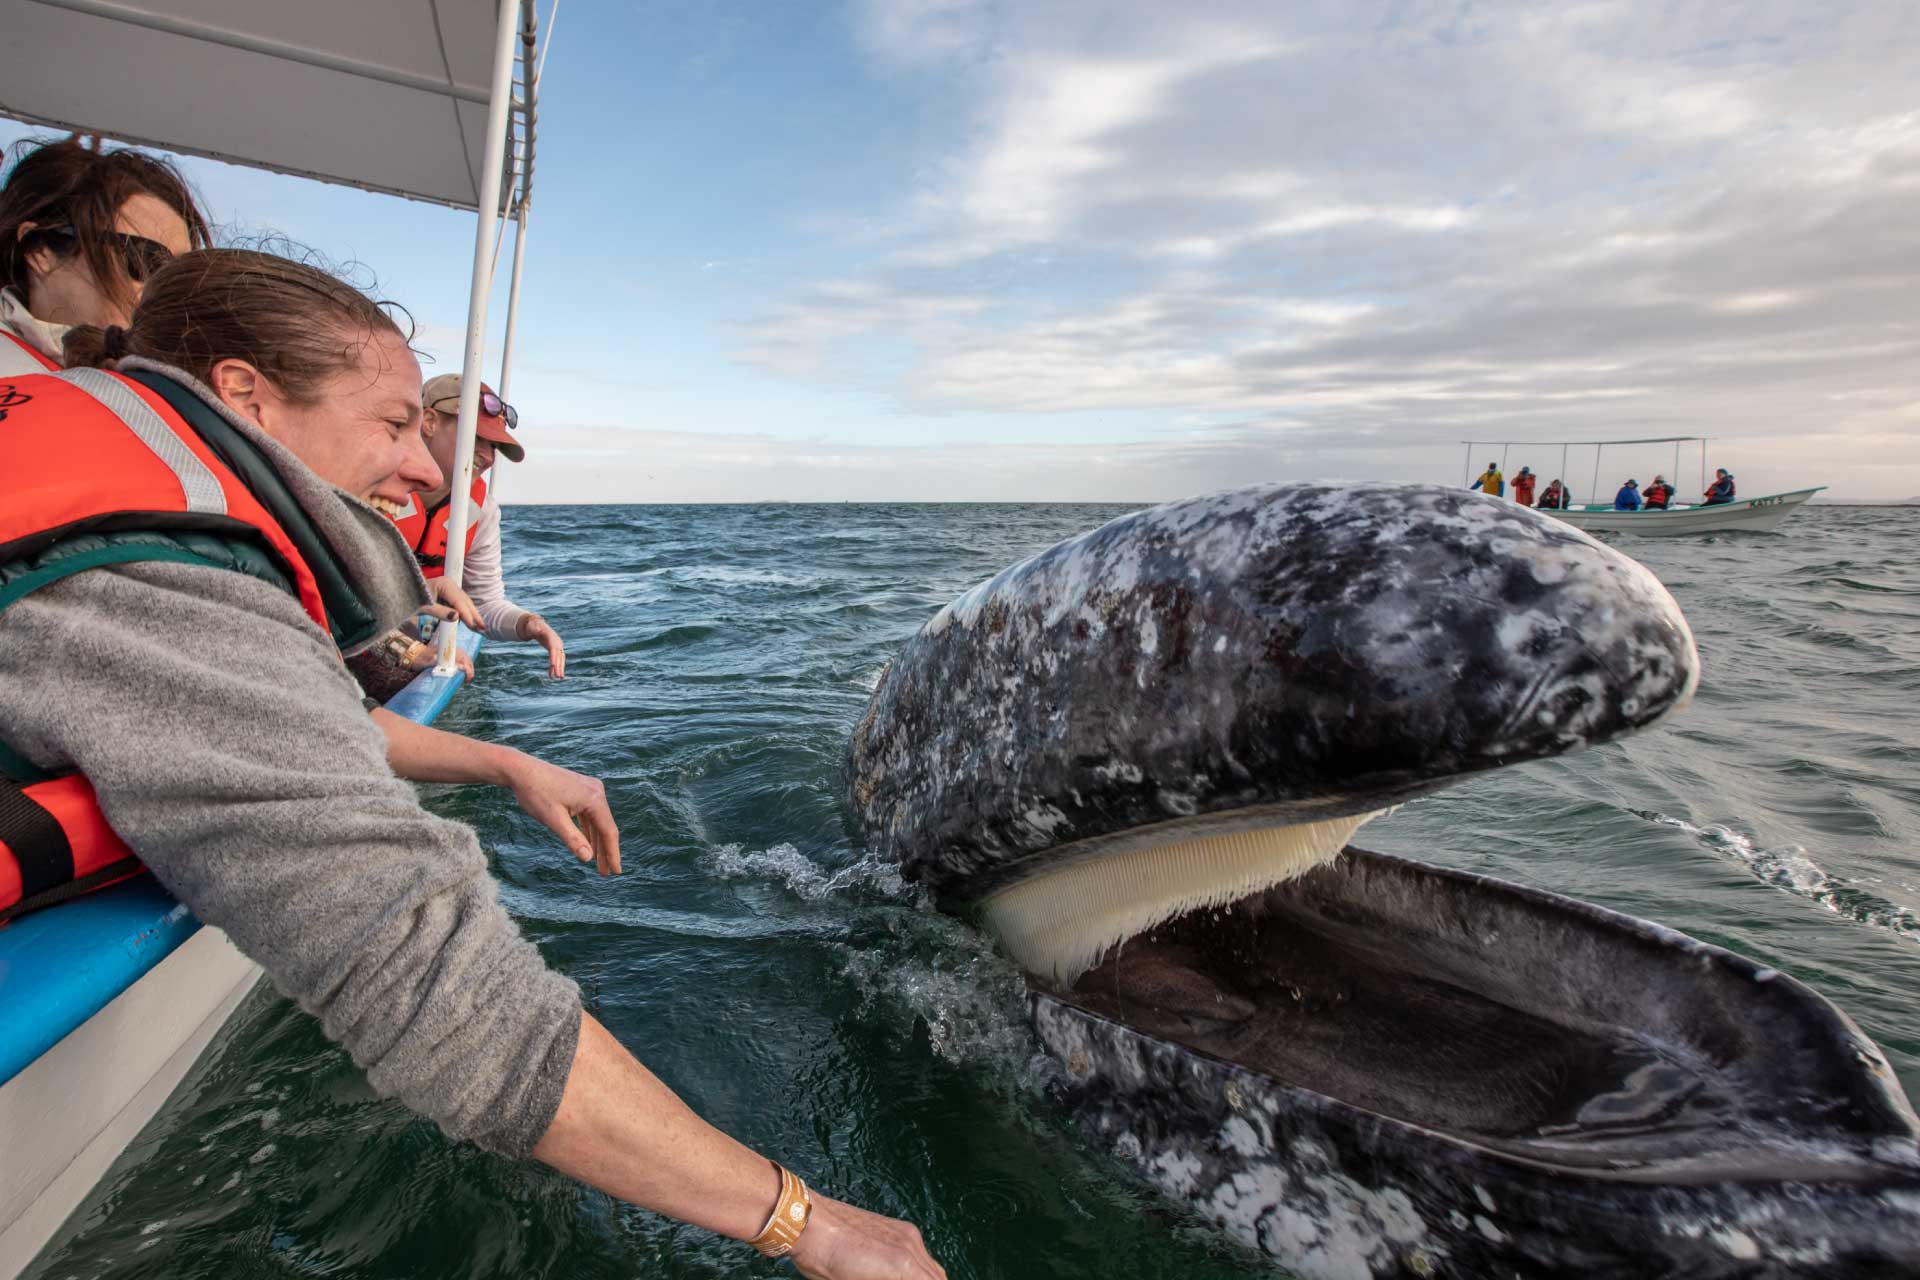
<point>798,995</point>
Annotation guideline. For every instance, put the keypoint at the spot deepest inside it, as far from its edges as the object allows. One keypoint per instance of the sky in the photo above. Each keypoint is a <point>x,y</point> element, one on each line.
<point>1127,251</point>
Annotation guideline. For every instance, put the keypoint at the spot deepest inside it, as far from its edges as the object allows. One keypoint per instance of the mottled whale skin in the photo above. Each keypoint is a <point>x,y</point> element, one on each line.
<point>1263,655</point>
<point>1380,1068</point>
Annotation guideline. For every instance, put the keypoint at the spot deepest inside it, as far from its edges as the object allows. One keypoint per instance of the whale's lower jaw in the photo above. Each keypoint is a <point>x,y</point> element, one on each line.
<point>1382,1069</point>
<point>1058,923</point>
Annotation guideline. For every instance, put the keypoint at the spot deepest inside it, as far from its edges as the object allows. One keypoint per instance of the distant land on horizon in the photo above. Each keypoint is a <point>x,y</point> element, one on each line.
<point>1864,502</point>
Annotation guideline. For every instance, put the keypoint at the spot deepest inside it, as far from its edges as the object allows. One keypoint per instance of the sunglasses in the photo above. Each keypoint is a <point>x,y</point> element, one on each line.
<point>139,256</point>
<point>490,404</point>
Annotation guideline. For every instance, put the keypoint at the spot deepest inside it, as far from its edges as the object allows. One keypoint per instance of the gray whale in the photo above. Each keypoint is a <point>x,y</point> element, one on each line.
<point>1360,1065</point>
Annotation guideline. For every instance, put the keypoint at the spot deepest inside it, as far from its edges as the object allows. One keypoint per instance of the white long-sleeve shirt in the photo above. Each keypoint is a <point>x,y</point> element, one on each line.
<point>20,323</point>
<point>484,582</point>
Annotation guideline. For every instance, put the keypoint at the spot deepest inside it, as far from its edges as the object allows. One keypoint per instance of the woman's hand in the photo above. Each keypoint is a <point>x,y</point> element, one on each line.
<point>572,806</point>
<point>534,627</point>
<point>842,1242</point>
<point>454,603</point>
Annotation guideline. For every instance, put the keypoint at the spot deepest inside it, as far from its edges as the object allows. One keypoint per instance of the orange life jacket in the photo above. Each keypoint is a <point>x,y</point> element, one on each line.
<point>425,529</point>
<point>39,357</point>
<point>1523,490</point>
<point>101,468</point>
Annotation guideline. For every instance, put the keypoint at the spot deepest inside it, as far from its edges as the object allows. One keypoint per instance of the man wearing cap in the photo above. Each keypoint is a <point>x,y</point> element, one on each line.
<point>424,523</point>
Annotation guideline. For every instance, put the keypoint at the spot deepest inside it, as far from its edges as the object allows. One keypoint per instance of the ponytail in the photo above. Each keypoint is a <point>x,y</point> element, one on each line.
<point>89,346</point>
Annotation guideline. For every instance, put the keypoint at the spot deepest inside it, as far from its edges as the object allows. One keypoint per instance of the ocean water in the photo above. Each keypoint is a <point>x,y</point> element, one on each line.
<point>795,992</point>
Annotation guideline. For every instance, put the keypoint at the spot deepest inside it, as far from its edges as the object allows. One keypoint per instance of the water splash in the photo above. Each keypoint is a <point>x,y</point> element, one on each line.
<point>972,999</point>
<point>1790,869</point>
<point>911,963</point>
<point>805,878</point>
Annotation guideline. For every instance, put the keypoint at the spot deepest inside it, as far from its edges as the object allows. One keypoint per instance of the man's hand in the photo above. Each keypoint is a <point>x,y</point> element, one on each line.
<point>421,655</point>
<point>534,627</point>
<point>572,805</point>
<point>454,603</point>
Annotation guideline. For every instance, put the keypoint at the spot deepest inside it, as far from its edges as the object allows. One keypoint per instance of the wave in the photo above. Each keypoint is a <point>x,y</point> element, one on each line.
<point>1790,869</point>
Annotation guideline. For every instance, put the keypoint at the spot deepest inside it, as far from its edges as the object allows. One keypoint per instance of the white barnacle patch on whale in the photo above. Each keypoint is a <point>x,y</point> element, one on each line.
<point>1060,922</point>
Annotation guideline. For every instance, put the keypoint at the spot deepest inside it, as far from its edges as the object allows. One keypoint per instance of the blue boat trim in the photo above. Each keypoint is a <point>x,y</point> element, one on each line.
<point>428,695</point>
<point>60,966</point>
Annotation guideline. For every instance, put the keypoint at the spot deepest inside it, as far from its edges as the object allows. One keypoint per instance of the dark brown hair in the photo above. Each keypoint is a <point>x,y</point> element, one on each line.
<point>296,323</point>
<point>66,185</point>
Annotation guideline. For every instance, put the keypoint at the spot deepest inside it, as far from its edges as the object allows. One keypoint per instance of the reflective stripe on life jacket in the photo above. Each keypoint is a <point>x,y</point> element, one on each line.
<point>34,353</point>
<point>87,452</point>
<point>425,529</point>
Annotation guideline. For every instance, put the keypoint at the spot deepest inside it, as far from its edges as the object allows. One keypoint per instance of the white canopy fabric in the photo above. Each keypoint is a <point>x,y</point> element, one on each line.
<point>385,95</point>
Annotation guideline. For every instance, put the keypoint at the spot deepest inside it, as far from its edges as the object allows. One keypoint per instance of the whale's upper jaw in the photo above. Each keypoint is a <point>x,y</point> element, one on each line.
<point>1303,648</point>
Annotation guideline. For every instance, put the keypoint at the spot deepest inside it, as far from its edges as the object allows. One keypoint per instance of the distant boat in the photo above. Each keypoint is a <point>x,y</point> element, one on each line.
<point>1757,515</point>
<point>1761,514</point>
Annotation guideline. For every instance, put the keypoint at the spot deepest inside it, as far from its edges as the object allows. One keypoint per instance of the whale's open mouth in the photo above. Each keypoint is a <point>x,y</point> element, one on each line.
<point>1515,1021</point>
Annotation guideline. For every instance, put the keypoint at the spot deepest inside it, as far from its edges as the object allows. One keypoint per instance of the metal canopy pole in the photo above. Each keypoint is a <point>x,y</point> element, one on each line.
<point>499,103</point>
<point>1466,468</point>
<point>506,343</point>
<point>1503,467</point>
<point>1563,475</point>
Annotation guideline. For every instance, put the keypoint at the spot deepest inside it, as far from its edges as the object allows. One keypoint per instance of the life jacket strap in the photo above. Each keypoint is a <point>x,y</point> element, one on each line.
<point>35,839</point>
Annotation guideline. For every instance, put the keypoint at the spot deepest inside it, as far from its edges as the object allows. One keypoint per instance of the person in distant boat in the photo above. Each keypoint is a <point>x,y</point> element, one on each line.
<point>1523,486</point>
<point>1555,497</point>
<point>482,596</point>
<point>1659,494</point>
<point>1721,490</point>
<point>1628,499</point>
<point>1490,481</point>
<point>80,232</point>
<point>173,673</point>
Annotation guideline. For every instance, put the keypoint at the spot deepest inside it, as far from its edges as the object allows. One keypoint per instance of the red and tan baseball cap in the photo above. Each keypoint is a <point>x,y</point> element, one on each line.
<point>442,395</point>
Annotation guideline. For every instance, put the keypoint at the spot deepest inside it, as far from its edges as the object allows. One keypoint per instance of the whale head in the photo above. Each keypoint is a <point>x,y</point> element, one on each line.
<point>1198,701</point>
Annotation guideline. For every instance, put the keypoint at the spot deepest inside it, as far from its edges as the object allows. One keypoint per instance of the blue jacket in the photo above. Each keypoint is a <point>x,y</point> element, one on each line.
<point>1721,490</point>
<point>1628,499</point>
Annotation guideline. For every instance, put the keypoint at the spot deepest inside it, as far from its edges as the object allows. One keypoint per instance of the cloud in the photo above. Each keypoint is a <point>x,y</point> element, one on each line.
<point>1416,221</point>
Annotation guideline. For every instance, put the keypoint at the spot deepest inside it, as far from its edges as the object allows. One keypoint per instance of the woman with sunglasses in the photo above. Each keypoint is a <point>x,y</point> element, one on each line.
<point>80,232</point>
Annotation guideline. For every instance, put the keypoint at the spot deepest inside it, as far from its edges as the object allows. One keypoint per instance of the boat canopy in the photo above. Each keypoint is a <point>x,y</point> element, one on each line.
<point>433,100</point>
<point>1586,444</point>
<point>384,95</point>
<point>1598,447</point>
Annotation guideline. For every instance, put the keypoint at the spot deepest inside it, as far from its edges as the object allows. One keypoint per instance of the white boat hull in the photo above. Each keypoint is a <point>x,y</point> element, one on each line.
<point>73,1111</point>
<point>1752,515</point>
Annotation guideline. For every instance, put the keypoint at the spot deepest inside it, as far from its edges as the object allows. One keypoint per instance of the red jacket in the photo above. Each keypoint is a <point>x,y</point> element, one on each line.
<point>90,462</point>
<point>426,529</point>
<point>1523,488</point>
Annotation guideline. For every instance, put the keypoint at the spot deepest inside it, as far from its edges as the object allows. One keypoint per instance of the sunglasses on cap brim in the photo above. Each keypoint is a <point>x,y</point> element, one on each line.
<point>490,404</point>
<point>139,256</point>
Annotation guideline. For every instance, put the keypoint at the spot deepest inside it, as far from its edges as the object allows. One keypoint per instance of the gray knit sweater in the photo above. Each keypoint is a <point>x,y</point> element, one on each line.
<point>230,749</point>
